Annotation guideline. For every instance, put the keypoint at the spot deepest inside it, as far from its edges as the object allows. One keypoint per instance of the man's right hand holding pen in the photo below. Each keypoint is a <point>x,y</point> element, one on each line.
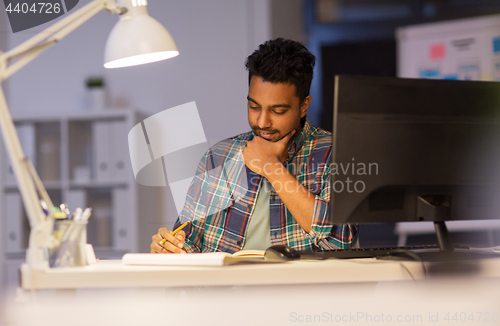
<point>167,242</point>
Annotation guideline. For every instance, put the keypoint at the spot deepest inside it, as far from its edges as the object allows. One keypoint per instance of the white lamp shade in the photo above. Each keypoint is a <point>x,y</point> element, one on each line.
<point>138,40</point>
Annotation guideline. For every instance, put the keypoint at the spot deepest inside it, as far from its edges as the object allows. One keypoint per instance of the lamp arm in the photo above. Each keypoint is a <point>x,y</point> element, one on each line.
<point>39,223</point>
<point>28,180</point>
<point>27,56</point>
<point>32,47</point>
<point>18,160</point>
<point>42,192</point>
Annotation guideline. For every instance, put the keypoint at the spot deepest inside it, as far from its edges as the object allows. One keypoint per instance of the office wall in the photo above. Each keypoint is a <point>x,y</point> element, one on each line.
<point>214,37</point>
<point>3,268</point>
<point>288,19</point>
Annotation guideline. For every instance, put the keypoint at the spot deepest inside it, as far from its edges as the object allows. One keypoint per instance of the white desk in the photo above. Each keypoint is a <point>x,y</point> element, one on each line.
<point>334,292</point>
<point>113,274</point>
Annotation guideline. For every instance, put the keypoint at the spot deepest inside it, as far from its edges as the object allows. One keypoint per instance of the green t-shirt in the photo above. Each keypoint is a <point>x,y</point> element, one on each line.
<point>258,235</point>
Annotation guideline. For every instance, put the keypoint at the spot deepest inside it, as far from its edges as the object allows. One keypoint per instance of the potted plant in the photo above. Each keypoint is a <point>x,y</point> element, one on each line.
<point>96,92</point>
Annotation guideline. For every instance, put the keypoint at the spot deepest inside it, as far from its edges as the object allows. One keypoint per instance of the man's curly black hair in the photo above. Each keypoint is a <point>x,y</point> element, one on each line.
<point>283,61</point>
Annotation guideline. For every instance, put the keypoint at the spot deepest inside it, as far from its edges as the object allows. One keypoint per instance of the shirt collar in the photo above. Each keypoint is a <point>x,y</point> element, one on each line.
<point>297,143</point>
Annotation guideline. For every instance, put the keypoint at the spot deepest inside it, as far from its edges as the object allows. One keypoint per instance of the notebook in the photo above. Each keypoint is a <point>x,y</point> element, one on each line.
<point>196,259</point>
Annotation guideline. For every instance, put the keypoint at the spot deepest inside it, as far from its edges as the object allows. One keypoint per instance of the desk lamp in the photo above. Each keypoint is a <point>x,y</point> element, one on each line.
<point>136,39</point>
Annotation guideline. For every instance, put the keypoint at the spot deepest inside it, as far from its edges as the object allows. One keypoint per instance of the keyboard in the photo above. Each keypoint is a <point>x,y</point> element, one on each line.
<point>361,252</point>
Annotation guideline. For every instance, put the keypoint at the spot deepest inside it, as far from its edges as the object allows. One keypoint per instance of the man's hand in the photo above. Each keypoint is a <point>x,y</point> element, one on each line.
<point>263,156</point>
<point>172,244</point>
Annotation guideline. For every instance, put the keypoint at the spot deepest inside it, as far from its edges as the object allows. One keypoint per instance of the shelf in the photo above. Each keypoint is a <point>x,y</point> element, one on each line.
<point>98,184</point>
<point>111,114</point>
<point>58,185</point>
<point>83,160</point>
<point>49,185</point>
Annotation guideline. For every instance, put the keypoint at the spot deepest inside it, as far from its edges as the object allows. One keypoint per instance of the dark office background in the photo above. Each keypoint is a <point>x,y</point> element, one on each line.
<point>357,37</point>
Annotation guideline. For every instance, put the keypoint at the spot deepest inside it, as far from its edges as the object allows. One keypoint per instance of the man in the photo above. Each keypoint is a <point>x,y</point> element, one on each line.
<point>286,163</point>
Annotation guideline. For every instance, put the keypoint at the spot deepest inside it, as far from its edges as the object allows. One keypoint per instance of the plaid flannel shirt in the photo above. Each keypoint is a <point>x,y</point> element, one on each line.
<point>222,196</point>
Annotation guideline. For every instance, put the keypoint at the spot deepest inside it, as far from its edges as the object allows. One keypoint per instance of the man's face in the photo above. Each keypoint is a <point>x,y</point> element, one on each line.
<point>274,109</point>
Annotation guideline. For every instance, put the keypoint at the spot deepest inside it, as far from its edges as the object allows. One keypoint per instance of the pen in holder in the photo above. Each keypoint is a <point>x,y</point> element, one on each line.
<point>72,239</point>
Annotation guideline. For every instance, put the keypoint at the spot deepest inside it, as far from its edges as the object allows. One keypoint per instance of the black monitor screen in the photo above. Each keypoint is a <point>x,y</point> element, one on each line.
<point>414,150</point>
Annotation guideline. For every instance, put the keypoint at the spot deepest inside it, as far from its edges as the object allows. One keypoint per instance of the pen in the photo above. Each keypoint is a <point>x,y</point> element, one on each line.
<point>64,209</point>
<point>45,207</point>
<point>77,214</point>
<point>86,214</point>
<point>175,231</point>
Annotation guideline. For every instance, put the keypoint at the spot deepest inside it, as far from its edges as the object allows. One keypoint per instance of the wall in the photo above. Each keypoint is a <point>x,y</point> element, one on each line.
<point>214,37</point>
<point>3,266</point>
<point>288,19</point>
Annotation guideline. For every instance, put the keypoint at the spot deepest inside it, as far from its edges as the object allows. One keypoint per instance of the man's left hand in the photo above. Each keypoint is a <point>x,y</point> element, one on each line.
<point>263,156</point>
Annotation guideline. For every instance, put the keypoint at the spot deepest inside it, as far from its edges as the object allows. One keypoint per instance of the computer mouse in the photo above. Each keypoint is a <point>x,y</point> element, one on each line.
<point>281,253</point>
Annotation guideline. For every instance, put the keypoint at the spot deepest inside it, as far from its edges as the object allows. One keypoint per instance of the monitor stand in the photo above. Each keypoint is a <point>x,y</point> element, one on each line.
<point>438,209</point>
<point>448,252</point>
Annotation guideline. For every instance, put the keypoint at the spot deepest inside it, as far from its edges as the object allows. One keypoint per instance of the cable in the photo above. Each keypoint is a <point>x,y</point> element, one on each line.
<point>407,270</point>
<point>400,255</point>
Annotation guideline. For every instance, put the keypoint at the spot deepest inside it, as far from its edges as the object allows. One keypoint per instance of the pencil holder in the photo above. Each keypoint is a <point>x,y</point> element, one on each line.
<point>71,237</point>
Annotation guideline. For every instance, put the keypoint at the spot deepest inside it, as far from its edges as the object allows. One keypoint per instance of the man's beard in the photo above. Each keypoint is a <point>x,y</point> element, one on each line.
<point>257,131</point>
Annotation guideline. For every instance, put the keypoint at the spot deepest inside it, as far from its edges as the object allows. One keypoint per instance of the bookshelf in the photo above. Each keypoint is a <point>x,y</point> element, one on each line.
<point>83,161</point>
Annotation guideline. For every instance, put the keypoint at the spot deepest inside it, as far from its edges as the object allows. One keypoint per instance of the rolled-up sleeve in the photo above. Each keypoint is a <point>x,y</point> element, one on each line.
<point>324,234</point>
<point>194,209</point>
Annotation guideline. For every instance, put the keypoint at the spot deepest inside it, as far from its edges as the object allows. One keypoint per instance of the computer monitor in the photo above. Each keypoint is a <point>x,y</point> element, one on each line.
<point>415,150</point>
